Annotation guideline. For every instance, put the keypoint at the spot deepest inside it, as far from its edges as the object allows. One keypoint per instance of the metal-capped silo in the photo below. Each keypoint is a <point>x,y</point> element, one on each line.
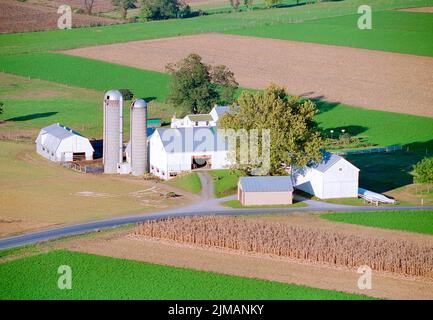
<point>113,131</point>
<point>138,137</point>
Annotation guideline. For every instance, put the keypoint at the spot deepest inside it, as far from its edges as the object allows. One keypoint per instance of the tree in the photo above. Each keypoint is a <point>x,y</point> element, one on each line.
<point>195,86</point>
<point>88,4</point>
<point>126,94</point>
<point>164,9</point>
<point>1,107</point>
<point>124,6</point>
<point>225,83</point>
<point>295,139</point>
<point>235,4</point>
<point>271,3</point>
<point>423,171</point>
<point>249,4</point>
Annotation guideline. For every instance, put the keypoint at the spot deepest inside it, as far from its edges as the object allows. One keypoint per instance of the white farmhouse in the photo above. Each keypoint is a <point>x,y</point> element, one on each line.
<point>177,150</point>
<point>200,120</point>
<point>59,143</point>
<point>334,177</point>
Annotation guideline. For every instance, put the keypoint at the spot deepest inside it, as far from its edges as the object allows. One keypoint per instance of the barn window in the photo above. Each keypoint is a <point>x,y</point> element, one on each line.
<point>196,123</point>
<point>340,169</point>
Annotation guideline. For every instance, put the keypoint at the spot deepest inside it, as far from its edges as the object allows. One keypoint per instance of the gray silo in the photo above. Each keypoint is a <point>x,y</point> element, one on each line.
<point>113,131</point>
<point>139,137</point>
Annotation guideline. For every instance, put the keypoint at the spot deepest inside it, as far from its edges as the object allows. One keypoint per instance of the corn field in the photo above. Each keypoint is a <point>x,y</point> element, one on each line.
<point>294,242</point>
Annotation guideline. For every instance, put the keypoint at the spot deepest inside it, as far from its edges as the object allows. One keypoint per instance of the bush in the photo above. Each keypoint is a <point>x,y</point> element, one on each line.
<point>423,171</point>
<point>164,9</point>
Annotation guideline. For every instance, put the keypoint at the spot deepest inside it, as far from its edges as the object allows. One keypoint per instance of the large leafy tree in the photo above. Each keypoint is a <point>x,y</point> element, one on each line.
<point>295,139</point>
<point>124,6</point>
<point>195,86</point>
<point>423,171</point>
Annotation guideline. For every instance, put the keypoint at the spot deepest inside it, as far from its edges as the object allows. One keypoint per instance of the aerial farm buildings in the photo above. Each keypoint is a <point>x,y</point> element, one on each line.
<point>59,143</point>
<point>334,177</point>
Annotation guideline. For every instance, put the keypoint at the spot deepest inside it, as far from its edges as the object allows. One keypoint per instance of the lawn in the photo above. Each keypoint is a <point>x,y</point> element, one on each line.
<point>225,182</point>
<point>189,182</point>
<point>412,221</point>
<point>97,277</point>
<point>382,172</point>
<point>237,205</point>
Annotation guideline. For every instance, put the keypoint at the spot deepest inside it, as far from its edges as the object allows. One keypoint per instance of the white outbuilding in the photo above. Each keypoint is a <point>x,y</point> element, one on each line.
<point>334,177</point>
<point>177,150</point>
<point>61,144</point>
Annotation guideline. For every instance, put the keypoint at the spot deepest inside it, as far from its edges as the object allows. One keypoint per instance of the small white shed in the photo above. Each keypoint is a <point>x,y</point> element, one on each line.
<point>334,177</point>
<point>59,143</point>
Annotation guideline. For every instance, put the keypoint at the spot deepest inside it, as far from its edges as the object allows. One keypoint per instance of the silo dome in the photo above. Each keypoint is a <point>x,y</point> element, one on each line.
<point>113,95</point>
<point>140,103</point>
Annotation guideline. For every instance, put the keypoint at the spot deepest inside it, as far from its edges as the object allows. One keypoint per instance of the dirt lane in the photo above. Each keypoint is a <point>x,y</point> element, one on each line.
<point>372,79</point>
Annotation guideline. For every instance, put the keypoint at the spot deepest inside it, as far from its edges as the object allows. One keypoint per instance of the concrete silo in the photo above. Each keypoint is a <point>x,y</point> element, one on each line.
<point>139,163</point>
<point>113,131</point>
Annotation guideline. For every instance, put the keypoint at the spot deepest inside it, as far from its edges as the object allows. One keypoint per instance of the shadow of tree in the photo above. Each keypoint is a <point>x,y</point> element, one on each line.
<point>32,116</point>
<point>382,172</point>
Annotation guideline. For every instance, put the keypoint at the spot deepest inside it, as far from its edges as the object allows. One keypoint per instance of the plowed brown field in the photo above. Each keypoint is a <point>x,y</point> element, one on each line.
<point>24,17</point>
<point>366,78</point>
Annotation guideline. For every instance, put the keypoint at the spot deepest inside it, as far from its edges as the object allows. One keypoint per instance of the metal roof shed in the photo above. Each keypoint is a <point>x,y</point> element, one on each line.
<point>265,190</point>
<point>60,143</point>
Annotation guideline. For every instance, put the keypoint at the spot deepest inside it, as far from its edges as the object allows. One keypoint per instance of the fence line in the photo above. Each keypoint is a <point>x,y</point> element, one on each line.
<point>82,168</point>
<point>370,150</point>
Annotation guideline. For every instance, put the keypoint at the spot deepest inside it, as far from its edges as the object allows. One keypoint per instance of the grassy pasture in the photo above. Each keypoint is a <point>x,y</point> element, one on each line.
<point>394,31</point>
<point>98,277</point>
<point>412,221</point>
<point>228,22</point>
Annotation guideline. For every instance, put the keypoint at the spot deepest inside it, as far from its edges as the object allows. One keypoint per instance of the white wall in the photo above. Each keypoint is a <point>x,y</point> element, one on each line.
<point>341,181</point>
<point>157,156</point>
<point>309,180</point>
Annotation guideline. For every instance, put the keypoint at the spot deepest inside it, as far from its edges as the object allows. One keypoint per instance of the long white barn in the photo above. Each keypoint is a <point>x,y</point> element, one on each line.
<point>59,143</point>
<point>200,120</point>
<point>334,177</point>
<point>178,150</point>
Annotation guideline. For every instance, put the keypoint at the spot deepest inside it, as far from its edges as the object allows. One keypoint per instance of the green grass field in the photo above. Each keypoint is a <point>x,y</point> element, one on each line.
<point>188,182</point>
<point>225,182</point>
<point>394,31</point>
<point>413,221</point>
<point>97,277</point>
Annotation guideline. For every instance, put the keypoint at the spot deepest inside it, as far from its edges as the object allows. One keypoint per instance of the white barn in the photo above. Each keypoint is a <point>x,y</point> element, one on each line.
<point>178,150</point>
<point>334,177</point>
<point>59,143</point>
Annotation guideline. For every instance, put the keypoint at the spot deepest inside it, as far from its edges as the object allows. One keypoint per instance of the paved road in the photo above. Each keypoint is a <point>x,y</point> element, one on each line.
<point>208,207</point>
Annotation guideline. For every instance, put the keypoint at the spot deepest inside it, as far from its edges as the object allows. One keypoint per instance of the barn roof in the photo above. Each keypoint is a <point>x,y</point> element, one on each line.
<point>200,117</point>
<point>266,184</point>
<point>55,134</point>
<point>329,159</point>
<point>220,110</point>
<point>197,139</point>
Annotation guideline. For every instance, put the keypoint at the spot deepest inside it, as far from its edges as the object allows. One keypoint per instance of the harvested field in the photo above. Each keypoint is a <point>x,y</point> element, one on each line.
<point>419,9</point>
<point>126,246</point>
<point>99,6</point>
<point>24,17</point>
<point>292,242</point>
<point>366,78</point>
